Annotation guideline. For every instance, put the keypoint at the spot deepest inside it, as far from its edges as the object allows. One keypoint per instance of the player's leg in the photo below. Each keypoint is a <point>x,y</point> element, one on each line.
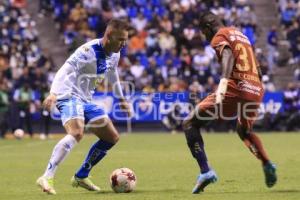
<point>108,136</point>
<point>191,127</point>
<point>253,142</point>
<point>103,128</point>
<point>74,128</point>
<point>195,141</point>
<point>73,121</point>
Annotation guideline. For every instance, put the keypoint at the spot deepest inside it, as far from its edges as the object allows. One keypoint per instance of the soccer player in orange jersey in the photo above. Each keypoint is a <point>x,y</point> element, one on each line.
<point>238,95</point>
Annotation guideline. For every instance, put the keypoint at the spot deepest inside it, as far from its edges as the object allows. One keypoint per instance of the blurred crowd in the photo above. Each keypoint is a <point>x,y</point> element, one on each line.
<point>26,70</point>
<point>166,51</point>
<point>290,20</point>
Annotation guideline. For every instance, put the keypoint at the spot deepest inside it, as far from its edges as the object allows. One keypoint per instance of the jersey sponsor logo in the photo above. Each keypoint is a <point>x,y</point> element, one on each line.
<point>237,35</point>
<point>87,166</point>
<point>50,166</point>
<point>82,56</point>
<point>248,87</point>
<point>67,147</point>
<point>85,48</point>
<point>243,76</point>
<point>221,44</point>
<point>101,66</point>
<point>99,80</point>
<point>79,109</point>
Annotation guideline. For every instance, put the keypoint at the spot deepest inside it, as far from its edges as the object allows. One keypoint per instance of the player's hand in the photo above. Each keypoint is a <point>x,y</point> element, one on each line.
<point>219,98</point>
<point>125,106</point>
<point>222,89</point>
<point>49,102</point>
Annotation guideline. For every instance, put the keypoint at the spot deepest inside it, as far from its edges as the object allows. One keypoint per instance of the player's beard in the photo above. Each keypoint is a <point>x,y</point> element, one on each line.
<point>210,35</point>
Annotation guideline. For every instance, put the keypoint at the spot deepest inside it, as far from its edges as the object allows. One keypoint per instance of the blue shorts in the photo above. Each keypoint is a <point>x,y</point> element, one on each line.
<point>75,108</point>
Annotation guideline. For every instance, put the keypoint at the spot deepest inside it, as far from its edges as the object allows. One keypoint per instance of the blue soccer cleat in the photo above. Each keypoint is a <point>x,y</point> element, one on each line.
<point>204,180</point>
<point>270,174</point>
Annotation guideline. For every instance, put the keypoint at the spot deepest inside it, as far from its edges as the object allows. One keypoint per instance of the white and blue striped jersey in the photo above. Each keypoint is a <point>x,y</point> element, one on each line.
<point>84,69</point>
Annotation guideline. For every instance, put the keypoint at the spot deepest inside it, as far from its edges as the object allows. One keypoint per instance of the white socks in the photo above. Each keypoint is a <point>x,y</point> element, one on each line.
<point>60,152</point>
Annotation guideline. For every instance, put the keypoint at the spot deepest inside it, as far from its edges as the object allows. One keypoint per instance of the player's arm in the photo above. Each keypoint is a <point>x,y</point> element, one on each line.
<point>113,78</point>
<point>227,62</point>
<point>259,73</point>
<point>56,85</point>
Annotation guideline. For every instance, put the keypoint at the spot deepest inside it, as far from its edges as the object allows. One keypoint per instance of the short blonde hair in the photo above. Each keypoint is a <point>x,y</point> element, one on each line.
<point>118,24</point>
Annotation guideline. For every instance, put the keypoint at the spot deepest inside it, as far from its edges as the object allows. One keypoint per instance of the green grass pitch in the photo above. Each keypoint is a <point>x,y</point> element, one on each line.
<point>163,165</point>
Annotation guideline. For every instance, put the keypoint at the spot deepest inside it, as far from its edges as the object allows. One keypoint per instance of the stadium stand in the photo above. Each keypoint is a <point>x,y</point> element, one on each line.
<point>165,34</point>
<point>290,19</point>
<point>26,70</point>
<point>165,51</point>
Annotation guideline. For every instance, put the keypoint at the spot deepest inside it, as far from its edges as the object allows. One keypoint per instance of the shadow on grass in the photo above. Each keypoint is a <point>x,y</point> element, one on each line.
<point>287,191</point>
<point>150,191</point>
<point>174,191</point>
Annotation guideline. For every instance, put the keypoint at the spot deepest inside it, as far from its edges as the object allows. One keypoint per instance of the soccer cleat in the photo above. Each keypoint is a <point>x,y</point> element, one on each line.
<point>47,184</point>
<point>204,180</point>
<point>84,183</point>
<point>270,174</point>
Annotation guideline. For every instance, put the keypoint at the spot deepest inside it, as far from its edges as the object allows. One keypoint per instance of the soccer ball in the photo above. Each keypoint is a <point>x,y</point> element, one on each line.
<point>19,133</point>
<point>122,180</point>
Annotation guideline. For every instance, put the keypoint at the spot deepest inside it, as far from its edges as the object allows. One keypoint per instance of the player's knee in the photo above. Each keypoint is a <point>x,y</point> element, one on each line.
<point>186,124</point>
<point>115,138</point>
<point>190,123</point>
<point>242,132</point>
<point>77,134</point>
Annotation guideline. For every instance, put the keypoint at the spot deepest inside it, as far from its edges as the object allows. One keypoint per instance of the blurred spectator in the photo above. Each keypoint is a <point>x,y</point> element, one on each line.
<point>139,22</point>
<point>267,84</point>
<point>195,89</point>
<point>78,13</point>
<point>24,97</point>
<point>272,47</point>
<point>186,72</point>
<point>70,33</point>
<point>211,85</point>
<point>247,16</point>
<point>61,13</point>
<point>288,118</point>
<point>137,43</point>
<point>137,69</point>
<point>106,12</point>
<point>44,7</point>
<point>297,74</point>
<point>92,6</point>
<point>189,32</point>
<point>293,35</point>
<point>4,107</point>
<point>288,13</point>
<point>262,60</point>
<point>166,24</point>
<point>45,115</point>
<point>200,59</point>
<point>151,42</point>
<point>173,120</point>
<point>18,3</point>
<point>144,81</point>
<point>119,12</point>
<point>45,61</point>
<point>166,41</point>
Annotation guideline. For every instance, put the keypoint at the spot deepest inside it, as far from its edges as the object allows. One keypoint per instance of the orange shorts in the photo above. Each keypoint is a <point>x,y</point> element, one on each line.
<point>232,107</point>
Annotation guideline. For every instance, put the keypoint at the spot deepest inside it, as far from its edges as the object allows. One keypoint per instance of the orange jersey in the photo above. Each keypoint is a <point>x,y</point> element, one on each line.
<point>244,79</point>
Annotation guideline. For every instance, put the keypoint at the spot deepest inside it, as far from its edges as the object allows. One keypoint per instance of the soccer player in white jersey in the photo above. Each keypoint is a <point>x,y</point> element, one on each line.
<point>71,91</point>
